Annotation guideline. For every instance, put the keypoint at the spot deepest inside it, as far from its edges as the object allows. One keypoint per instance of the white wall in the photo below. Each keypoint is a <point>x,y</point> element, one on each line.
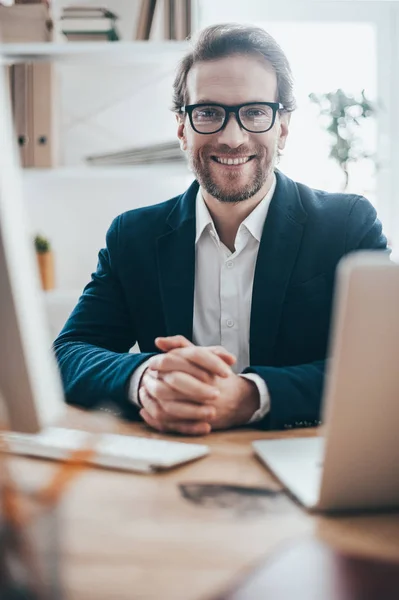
<point>75,211</point>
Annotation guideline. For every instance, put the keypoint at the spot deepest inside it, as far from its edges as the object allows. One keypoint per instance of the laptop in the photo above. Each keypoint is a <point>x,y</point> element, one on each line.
<point>355,463</point>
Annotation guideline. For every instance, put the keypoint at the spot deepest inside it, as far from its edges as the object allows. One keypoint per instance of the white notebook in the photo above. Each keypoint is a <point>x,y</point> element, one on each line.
<point>125,452</point>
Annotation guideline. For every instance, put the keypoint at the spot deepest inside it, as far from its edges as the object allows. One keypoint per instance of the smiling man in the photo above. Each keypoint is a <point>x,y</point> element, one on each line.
<point>228,287</point>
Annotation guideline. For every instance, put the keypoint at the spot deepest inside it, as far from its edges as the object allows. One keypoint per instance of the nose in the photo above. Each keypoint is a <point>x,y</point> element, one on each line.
<point>232,135</point>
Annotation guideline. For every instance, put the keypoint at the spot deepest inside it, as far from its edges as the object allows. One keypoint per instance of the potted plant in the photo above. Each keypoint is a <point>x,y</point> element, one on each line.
<point>45,261</point>
<point>345,115</point>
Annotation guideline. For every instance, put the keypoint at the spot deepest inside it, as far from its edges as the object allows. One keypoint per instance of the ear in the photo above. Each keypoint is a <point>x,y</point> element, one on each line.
<point>285,119</point>
<point>181,131</point>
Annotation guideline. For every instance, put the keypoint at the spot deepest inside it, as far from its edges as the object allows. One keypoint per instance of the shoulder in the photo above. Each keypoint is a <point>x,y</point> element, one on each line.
<point>147,216</point>
<point>349,218</point>
<point>141,221</point>
<point>329,203</point>
<point>338,211</point>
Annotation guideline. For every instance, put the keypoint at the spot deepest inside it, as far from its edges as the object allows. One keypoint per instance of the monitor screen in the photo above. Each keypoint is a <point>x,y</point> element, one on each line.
<point>30,386</point>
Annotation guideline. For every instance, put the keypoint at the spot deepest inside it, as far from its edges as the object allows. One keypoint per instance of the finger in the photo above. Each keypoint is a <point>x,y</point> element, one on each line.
<point>173,341</point>
<point>179,386</point>
<point>184,427</point>
<point>190,387</point>
<point>151,421</point>
<point>179,341</point>
<point>204,358</point>
<point>174,362</point>
<point>188,411</point>
<point>224,354</point>
<point>159,389</point>
<point>166,411</point>
<point>152,406</point>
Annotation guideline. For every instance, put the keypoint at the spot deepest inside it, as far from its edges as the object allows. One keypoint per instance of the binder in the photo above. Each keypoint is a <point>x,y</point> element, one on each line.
<point>21,103</point>
<point>42,123</point>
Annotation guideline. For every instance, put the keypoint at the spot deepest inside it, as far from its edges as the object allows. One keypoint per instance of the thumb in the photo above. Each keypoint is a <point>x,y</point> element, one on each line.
<point>171,342</point>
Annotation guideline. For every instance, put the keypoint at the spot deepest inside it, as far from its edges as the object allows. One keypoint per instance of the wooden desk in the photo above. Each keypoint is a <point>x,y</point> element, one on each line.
<point>128,536</point>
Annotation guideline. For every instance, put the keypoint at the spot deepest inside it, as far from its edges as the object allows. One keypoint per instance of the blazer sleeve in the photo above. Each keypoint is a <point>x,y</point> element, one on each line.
<point>92,349</point>
<point>296,391</point>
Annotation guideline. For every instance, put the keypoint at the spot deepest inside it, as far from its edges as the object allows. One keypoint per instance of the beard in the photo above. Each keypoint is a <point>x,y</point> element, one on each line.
<point>232,190</point>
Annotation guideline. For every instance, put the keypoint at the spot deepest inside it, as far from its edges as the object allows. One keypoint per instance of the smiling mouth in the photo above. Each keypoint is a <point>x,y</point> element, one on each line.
<point>232,162</point>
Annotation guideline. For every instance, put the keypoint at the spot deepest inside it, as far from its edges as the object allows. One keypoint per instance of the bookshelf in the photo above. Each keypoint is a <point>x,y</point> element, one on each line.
<point>60,174</point>
<point>121,53</point>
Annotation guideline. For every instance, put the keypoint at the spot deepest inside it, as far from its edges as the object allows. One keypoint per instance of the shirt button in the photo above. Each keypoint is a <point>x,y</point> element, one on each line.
<point>229,264</point>
<point>230,323</point>
<point>212,233</point>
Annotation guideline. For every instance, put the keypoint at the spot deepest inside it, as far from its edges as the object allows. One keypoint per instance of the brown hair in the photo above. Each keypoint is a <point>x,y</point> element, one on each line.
<point>219,41</point>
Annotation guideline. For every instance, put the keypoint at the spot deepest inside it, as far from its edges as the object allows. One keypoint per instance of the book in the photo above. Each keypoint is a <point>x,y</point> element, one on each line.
<point>80,28</point>
<point>83,24</point>
<point>92,36</point>
<point>146,16</point>
<point>177,19</point>
<point>87,12</point>
<point>100,25</point>
<point>181,14</point>
<point>169,19</point>
<point>25,23</point>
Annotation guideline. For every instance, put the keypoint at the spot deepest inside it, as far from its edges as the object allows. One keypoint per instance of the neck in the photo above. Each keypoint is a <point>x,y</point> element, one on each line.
<point>228,217</point>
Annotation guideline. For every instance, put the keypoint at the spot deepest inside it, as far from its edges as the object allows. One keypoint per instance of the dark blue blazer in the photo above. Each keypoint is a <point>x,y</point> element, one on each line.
<point>144,287</point>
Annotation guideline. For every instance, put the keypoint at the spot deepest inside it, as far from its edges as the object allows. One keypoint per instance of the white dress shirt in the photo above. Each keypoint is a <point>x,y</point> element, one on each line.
<point>223,292</point>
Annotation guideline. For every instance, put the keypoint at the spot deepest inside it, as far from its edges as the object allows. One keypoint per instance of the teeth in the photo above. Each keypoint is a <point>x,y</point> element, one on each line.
<point>232,161</point>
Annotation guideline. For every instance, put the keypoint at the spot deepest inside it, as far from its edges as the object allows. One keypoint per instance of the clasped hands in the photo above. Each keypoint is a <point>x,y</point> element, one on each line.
<point>192,389</point>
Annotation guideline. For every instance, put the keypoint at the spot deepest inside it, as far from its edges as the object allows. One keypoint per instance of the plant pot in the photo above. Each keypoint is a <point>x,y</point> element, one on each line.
<point>46,268</point>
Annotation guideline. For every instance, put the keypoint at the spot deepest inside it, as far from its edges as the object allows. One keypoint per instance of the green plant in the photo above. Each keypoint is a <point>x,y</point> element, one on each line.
<point>346,114</point>
<point>42,244</point>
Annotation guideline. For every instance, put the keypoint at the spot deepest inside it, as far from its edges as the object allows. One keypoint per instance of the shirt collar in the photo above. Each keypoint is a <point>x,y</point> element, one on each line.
<point>256,219</point>
<point>254,222</point>
<point>203,217</point>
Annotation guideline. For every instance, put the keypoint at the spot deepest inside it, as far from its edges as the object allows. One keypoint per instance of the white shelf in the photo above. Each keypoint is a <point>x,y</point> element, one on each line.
<point>174,169</point>
<point>150,52</point>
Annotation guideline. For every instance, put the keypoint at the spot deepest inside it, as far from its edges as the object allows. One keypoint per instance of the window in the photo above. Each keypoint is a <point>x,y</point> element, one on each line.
<point>322,65</point>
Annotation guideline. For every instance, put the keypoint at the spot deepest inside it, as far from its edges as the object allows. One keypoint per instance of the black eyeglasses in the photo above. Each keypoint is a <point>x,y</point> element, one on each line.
<point>255,117</point>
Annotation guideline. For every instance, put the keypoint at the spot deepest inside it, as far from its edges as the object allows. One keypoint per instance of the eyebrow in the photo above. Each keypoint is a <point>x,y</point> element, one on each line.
<point>208,101</point>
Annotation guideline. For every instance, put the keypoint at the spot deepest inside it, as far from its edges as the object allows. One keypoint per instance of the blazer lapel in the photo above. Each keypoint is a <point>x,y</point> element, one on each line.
<point>278,249</point>
<point>176,261</point>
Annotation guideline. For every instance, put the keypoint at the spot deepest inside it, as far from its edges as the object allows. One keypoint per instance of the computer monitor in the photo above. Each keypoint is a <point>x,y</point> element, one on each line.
<point>31,394</point>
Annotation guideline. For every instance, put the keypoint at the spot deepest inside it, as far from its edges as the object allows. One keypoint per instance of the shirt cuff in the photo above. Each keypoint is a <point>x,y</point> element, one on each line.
<point>135,383</point>
<point>264,397</point>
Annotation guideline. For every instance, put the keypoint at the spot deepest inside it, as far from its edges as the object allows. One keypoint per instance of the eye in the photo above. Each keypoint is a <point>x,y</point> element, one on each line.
<point>255,112</point>
<point>206,113</point>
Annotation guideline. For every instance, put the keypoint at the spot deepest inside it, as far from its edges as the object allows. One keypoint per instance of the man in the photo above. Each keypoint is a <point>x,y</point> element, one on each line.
<point>228,287</point>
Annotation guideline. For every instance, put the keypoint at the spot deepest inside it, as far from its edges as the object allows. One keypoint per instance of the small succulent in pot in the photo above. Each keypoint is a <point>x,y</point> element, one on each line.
<point>45,261</point>
<point>42,244</point>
